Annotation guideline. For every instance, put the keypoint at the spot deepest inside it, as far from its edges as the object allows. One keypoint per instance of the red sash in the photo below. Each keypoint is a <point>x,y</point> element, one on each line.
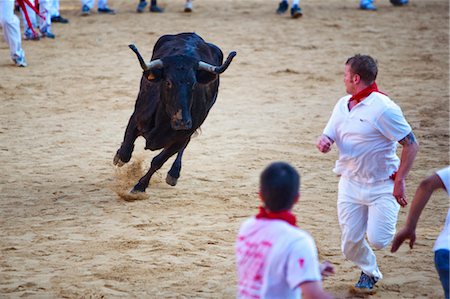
<point>283,215</point>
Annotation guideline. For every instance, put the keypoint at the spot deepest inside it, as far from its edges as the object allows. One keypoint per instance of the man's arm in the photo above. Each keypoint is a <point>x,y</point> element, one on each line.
<point>314,290</point>
<point>409,152</point>
<point>423,194</point>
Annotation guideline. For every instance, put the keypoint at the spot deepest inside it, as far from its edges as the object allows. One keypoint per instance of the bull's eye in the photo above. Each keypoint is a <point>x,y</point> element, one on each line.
<point>168,84</point>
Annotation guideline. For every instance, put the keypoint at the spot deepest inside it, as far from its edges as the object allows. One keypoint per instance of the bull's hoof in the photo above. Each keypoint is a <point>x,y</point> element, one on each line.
<point>117,161</point>
<point>171,180</point>
<point>136,191</point>
<point>138,188</point>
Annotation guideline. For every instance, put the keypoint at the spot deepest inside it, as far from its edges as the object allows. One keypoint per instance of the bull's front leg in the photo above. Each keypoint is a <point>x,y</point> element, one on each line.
<point>156,164</point>
<point>174,172</point>
<point>123,154</point>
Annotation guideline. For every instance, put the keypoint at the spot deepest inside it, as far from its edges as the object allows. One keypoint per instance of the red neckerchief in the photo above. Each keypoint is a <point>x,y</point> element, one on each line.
<point>364,93</point>
<point>283,215</point>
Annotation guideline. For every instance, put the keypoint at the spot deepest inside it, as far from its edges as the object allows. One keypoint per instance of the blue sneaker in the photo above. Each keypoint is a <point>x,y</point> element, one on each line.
<point>47,33</point>
<point>366,282</point>
<point>282,7</point>
<point>141,6</point>
<point>155,8</point>
<point>30,35</point>
<point>368,6</point>
<point>85,10</point>
<point>296,12</point>
<point>399,2</point>
<point>106,10</point>
<point>20,61</point>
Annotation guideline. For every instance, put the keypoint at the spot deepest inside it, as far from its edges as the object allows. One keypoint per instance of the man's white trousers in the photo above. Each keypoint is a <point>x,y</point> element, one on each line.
<point>366,209</point>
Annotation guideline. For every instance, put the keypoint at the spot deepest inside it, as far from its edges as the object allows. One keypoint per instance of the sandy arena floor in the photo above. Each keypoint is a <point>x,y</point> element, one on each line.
<point>66,233</point>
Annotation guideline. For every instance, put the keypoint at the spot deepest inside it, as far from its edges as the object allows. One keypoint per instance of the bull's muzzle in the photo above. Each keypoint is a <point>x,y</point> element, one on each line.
<point>181,123</point>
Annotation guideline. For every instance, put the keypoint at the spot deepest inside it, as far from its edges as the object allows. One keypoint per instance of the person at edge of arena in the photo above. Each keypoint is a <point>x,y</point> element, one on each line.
<point>366,126</point>
<point>275,258</point>
<point>11,32</point>
<point>439,180</point>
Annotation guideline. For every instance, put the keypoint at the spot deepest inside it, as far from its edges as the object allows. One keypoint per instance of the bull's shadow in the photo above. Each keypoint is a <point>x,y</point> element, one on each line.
<point>178,88</point>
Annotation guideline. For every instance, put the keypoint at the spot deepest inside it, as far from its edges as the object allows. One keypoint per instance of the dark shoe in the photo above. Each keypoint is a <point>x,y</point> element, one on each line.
<point>155,8</point>
<point>59,19</point>
<point>47,33</point>
<point>282,7</point>
<point>106,10</point>
<point>141,6</point>
<point>85,10</point>
<point>366,282</point>
<point>188,7</point>
<point>399,2</point>
<point>296,12</point>
<point>368,6</point>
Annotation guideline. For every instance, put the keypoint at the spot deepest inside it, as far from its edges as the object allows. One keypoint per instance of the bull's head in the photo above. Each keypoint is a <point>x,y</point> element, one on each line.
<point>178,76</point>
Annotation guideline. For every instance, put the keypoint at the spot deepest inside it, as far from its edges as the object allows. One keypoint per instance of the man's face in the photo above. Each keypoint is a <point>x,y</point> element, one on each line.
<point>349,80</point>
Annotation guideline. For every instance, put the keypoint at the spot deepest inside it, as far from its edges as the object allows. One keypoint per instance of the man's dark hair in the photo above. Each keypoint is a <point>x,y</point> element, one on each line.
<point>279,186</point>
<point>365,66</point>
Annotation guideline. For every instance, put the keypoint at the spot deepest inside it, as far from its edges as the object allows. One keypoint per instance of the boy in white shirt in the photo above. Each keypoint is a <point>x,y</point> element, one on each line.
<point>274,258</point>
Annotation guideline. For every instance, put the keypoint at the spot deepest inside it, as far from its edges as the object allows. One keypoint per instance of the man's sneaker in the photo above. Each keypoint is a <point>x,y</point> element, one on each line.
<point>106,10</point>
<point>30,35</point>
<point>188,6</point>
<point>366,282</point>
<point>282,7</point>
<point>399,2</point>
<point>141,6</point>
<point>47,33</point>
<point>296,11</point>
<point>20,61</point>
<point>59,19</point>
<point>155,8</point>
<point>85,10</point>
<point>368,6</point>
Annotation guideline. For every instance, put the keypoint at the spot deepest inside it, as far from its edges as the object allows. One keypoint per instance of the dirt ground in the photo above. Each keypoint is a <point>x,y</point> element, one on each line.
<point>66,233</point>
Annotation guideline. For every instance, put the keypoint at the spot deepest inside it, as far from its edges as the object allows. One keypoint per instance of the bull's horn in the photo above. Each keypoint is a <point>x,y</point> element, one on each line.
<point>217,69</point>
<point>152,65</point>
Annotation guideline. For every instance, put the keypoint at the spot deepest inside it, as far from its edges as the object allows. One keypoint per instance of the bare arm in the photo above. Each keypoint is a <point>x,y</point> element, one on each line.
<point>409,152</point>
<point>314,290</point>
<point>324,143</point>
<point>423,194</point>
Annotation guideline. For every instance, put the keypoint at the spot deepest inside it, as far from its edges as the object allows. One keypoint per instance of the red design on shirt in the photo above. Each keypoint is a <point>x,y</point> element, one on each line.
<point>251,264</point>
<point>301,262</point>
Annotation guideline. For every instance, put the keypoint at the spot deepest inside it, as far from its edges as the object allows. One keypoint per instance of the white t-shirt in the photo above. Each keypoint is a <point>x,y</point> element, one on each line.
<point>273,258</point>
<point>443,241</point>
<point>367,137</point>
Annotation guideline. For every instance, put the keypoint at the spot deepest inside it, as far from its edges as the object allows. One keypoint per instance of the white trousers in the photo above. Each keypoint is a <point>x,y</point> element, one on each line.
<point>45,9</point>
<point>100,4</point>
<point>11,28</point>
<point>366,209</point>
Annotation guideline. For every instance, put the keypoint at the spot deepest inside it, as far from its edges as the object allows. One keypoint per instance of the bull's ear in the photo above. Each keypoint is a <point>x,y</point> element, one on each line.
<point>205,77</point>
<point>153,75</point>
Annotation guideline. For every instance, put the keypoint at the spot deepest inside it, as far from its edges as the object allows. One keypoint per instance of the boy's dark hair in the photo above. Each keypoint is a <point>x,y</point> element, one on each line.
<point>279,186</point>
<point>365,66</point>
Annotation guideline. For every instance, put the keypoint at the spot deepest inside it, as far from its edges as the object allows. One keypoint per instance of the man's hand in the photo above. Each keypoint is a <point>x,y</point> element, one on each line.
<point>399,192</point>
<point>326,269</point>
<point>324,143</point>
<point>401,236</point>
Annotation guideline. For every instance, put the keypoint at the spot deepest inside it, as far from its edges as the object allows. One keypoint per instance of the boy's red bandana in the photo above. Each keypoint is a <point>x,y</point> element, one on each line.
<point>364,93</point>
<point>283,215</point>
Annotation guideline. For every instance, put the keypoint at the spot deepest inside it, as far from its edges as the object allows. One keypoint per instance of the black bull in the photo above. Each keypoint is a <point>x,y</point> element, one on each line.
<point>178,88</point>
